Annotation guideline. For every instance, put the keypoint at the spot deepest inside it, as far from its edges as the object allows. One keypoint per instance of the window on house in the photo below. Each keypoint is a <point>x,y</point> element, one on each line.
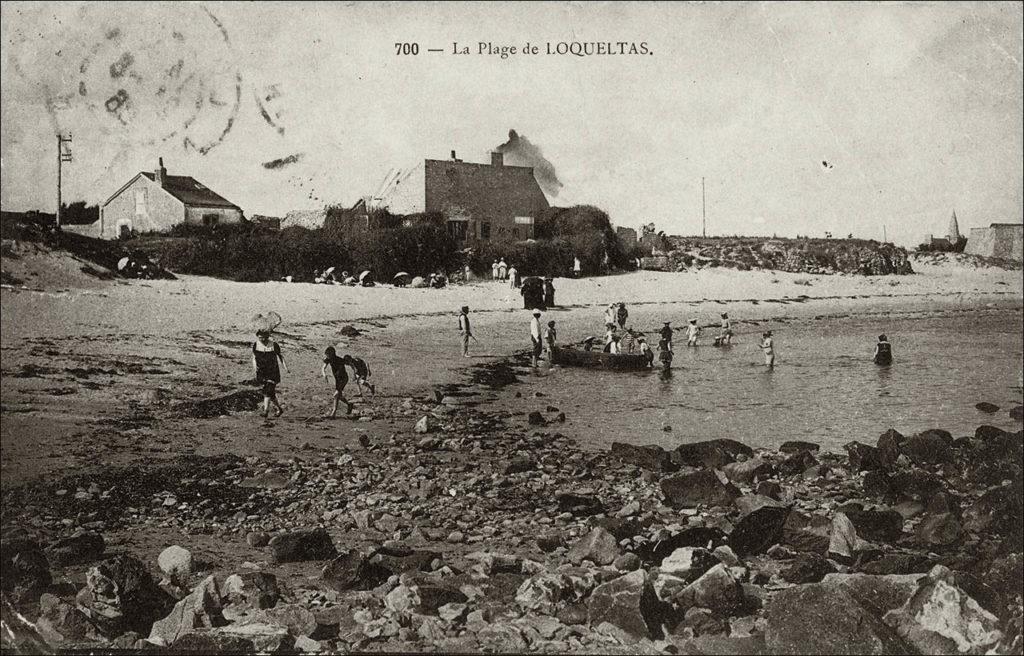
<point>485,230</point>
<point>140,202</point>
<point>210,219</point>
<point>458,229</point>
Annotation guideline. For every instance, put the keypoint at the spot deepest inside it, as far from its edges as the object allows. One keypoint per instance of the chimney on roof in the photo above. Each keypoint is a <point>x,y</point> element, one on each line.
<point>161,173</point>
<point>497,159</point>
<point>453,157</point>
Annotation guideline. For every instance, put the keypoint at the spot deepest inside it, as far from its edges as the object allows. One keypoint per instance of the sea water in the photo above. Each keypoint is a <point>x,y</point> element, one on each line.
<point>824,387</point>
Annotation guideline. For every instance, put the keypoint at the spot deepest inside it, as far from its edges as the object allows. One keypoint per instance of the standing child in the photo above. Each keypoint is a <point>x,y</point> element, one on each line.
<point>550,337</point>
<point>725,337</point>
<point>621,315</point>
<point>362,372</point>
<point>266,353</point>
<point>692,331</point>
<point>768,346</point>
<point>536,340</point>
<point>337,366</point>
<point>664,354</point>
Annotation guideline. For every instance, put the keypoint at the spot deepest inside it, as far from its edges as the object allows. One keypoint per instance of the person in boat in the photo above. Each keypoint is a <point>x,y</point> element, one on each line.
<point>725,336</point>
<point>588,343</point>
<point>549,292</point>
<point>666,333</point>
<point>664,354</point>
<point>645,350</point>
<point>692,331</point>
<point>613,348</point>
<point>535,337</point>
<point>883,351</point>
<point>550,337</point>
<point>768,346</point>
<point>621,315</point>
<point>609,336</point>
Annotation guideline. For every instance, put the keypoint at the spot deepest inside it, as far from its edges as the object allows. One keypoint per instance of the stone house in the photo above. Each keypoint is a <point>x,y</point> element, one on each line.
<point>480,202</point>
<point>1002,240</point>
<point>155,201</point>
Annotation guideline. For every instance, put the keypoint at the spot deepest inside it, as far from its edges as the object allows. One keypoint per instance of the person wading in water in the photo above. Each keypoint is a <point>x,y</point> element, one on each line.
<point>266,353</point>
<point>883,351</point>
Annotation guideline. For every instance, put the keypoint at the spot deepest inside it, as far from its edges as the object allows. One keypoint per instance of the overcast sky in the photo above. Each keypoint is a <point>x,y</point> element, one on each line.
<point>803,118</point>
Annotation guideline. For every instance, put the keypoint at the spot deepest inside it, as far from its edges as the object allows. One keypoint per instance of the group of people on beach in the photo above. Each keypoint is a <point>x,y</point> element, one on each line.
<point>267,362</point>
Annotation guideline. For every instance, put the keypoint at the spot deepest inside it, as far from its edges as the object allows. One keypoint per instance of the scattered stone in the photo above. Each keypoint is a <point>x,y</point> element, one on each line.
<point>176,563</point>
<point>899,564</point>
<point>797,463</point>
<point>257,539</point>
<point>547,592</point>
<point>702,488</point>
<point>599,546</point>
<point>877,525</point>
<point>749,470</point>
<point>1017,413</point>
<point>536,419</point>
<point>748,503</point>
<point>843,540</point>
<point>250,591</point>
<point>627,562</point>
<point>769,489</point>
<point>353,571</point>
<point>519,464</point>
<point>63,625</point>
<point>296,546</point>
<point>26,570</point>
<point>710,453</point>
<point>809,533</point>
<point>423,425</point>
<point>200,609</point>
<point>580,505</point>
<point>984,406</point>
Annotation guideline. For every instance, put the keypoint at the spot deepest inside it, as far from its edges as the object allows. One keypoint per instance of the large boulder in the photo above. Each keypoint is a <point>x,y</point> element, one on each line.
<point>62,624</point>
<point>547,592</point>
<point>804,532</point>
<point>749,470</point>
<point>200,609</point>
<point>710,453</point>
<point>928,448</point>
<point>888,447</point>
<point>688,563</point>
<point>863,457</point>
<point>82,547</point>
<point>306,544</point>
<point>818,618</point>
<point>877,525</point>
<point>250,591</point>
<point>651,456</point>
<point>627,602</point>
<point>939,530</point>
<point>807,568</point>
<point>354,571</point>
<point>120,595</point>
<point>25,568</point>
<point>941,618</point>
<point>716,589</point>
<point>176,563</point>
<point>702,488</point>
<point>599,546</point>
<point>657,550</point>
<point>844,543</point>
<point>755,532</point>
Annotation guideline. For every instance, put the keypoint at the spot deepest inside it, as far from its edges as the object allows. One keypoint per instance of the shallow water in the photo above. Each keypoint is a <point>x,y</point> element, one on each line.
<point>824,387</point>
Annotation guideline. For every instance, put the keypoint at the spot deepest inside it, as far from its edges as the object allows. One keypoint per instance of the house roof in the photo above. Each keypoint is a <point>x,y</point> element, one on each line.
<point>190,191</point>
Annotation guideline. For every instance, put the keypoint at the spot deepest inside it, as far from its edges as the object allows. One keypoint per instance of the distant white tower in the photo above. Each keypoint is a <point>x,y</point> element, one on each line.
<point>953,233</point>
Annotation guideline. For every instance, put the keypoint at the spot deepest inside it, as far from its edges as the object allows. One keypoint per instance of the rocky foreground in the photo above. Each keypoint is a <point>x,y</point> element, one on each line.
<point>473,532</point>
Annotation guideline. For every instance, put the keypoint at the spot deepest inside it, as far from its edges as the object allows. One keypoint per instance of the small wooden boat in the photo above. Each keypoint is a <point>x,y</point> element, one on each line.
<point>573,357</point>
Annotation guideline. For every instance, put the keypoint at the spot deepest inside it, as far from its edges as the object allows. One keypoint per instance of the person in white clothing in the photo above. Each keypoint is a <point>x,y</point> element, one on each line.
<point>692,331</point>
<point>535,336</point>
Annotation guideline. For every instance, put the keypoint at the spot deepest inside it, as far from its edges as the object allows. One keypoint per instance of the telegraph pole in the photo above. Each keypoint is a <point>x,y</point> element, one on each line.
<point>885,239</point>
<point>61,158</point>
<point>703,209</point>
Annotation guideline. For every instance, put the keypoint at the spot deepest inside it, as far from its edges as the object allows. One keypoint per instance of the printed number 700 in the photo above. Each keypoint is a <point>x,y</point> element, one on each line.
<point>407,48</point>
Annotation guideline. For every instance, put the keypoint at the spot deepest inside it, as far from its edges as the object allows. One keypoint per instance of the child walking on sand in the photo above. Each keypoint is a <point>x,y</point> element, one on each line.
<point>266,353</point>
<point>768,346</point>
<point>550,337</point>
<point>337,366</point>
<point>362,373</point>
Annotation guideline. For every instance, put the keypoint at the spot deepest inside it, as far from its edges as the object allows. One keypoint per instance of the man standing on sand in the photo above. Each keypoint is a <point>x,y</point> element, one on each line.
<point>577,267</point>
<point>769,349</point>
<point>502,270</point>
<point>666,334</point>
<point>535,337</point>
<point>494,270</point>
<point>513,277</point>
<point>465,330</point>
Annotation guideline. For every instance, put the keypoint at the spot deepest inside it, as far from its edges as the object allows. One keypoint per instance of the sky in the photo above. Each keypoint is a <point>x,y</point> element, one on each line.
<point>802,118</point>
